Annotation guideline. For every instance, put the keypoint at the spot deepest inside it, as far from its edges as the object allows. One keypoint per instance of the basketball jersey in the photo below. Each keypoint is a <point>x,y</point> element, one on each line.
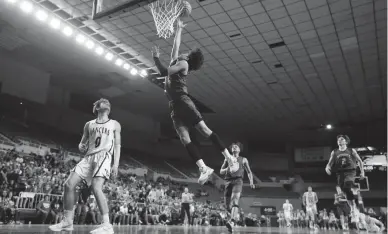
<point>338,197</point>
<point>175,85</point>
<point>310,198</point>
<point>287,207</point>
<point>101,136</point>
<point>237,174</point>
<point>344,160</point>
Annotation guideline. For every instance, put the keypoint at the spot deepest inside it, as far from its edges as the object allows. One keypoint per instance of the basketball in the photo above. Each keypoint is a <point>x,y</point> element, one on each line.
<point>186,11</point>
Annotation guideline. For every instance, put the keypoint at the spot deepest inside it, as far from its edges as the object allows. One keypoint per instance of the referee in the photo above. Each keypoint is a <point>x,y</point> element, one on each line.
<point>187,199</point>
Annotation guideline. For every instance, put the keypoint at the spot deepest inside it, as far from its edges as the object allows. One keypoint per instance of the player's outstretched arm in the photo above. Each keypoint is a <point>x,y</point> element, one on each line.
<point>249,172</point>
<point>83,145</point>
<point>155,55</point>
<point>224,168</point>
<point>330,163</point>
<point>177,39</point>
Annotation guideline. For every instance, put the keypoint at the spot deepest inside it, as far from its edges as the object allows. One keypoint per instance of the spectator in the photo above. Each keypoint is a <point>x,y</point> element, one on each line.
<point>56,211</point>
<point>43,209</point>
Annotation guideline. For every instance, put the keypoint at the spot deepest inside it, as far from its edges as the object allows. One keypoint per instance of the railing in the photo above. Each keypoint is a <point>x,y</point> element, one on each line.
<point>28,200</point>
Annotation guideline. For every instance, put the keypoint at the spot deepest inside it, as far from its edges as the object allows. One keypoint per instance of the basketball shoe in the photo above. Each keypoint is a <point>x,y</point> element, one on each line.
<point>104,228</point>
<point>206,172</point>
<point>64,225</point>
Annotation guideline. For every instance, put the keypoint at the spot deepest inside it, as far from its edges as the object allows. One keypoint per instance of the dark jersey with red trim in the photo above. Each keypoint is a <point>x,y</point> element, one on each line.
<point>344,160</point>
<point>237,174</point>
<point>175,85</point>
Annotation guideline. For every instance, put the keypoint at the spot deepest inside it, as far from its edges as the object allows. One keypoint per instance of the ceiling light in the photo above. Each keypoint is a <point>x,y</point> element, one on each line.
<point>11,1</point>
<point>68,31</point>
<point>328,126</point>
<point>126,66</point>
<point>26,7</point>
<point>90,44</point>
<point>134,71</point>
<point>99,50</point>
<point>109,56</point>
<point>41,15</point>
<point>55,23</point>
<point>119,62</point>
<point>80,38</point>
<point>143,73</point>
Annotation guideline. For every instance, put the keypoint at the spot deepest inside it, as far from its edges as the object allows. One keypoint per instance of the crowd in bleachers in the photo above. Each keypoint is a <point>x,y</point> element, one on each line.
<point>132,200</point>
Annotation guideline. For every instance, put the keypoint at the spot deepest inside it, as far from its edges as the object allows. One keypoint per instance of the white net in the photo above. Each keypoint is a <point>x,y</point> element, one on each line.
<point>165,12</point>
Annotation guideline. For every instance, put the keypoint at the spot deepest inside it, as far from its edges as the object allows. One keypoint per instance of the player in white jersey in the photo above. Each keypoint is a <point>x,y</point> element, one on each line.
<point>370,224</point>
<point>287,208</point>
<point>100,141</point>
<point>310,200</point>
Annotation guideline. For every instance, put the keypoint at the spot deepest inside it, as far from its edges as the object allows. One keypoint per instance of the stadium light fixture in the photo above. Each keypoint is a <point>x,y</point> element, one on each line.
<point>26,7</point>
<point>90,44</point>
<point>329,126</point>
<point>134,71</point>
<point>143,73</point>
<point>119,62</point>
<point>11,1</point>
<point>109,56</point>
<point>99,50</point>
<point>80,38</point>
<point>55,23</point>
<point>68,31</point>
<point>126,66</point>
<point>41,15</point>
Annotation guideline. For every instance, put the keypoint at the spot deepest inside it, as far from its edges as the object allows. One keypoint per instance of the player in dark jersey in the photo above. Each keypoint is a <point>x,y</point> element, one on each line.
<point>234,183</point>
<point>184,113</point>
<point>344,162</point>
<point>342,206</point>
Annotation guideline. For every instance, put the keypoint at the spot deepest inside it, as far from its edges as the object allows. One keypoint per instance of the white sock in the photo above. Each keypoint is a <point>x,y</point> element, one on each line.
<point>69,215</point>
<point>200,163</point>
<point>105,218</point>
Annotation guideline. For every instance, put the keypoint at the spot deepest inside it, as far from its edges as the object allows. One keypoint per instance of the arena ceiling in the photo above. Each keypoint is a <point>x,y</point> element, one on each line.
<point>271,67</point>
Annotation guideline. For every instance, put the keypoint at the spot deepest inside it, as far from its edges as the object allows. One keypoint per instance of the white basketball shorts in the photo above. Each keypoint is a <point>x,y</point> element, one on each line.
<point>94,165</point>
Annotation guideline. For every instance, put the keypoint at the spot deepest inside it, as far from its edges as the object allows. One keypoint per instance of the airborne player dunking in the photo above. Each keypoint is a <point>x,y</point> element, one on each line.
<point>184,113</point>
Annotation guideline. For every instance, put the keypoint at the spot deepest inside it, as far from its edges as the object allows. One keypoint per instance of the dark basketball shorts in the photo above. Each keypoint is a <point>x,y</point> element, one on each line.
<point>345,179</point>
<point>233,186</point>
<point>343,209</point>
<point>184,112</point>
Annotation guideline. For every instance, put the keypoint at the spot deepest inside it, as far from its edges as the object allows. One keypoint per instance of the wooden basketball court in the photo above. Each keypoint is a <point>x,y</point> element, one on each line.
<point>84,229</point>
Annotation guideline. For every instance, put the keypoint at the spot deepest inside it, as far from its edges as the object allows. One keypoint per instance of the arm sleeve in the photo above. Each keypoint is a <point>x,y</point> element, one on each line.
<point>162,69</point>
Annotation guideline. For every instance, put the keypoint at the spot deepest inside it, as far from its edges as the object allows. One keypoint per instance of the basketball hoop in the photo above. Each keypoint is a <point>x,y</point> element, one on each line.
<point>165,12</point>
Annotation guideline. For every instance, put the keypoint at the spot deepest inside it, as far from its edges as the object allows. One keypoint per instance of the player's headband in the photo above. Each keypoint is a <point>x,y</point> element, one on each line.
<point>346,137</point>
<point>97,105</point>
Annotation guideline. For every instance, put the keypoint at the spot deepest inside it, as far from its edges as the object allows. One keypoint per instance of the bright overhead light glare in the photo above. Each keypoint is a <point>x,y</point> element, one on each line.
<point>80,38</point>
<point>41,15</point>
<point>134,71</point>
<point>109,56</point>
<point>143,73</point>
<point>27,7</point>
<point>11,1</point>
<point>328,126</point>
<point>90,44</point>
<point>99,50</point>
<point>126,66</point>
<point>68,31</point>
<point>119,62</point>
<point>55,23</point>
